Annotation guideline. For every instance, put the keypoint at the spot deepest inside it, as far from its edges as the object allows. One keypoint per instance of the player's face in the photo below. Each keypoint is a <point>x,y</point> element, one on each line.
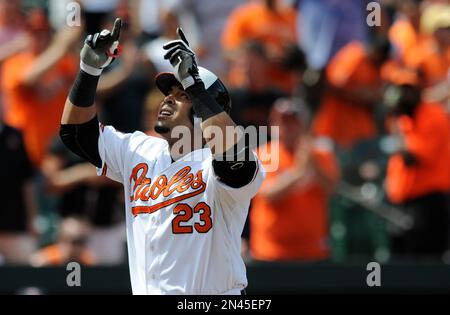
<point>174,111</point>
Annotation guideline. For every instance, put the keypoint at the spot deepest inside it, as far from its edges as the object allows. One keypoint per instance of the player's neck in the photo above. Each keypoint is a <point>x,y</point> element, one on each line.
<point>179,148</point>
<point>185,143</point>
<point>177,155</point>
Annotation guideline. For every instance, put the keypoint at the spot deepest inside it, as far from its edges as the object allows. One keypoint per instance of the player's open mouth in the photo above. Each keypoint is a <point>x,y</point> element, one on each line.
<point>165,111</point>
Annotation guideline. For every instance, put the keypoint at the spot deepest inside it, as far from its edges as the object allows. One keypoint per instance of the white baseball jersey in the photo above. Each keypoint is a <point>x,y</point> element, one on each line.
<point>183,225</point>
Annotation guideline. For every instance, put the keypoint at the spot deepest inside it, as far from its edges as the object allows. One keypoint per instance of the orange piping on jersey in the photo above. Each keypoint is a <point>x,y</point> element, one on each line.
<point>105,169</point>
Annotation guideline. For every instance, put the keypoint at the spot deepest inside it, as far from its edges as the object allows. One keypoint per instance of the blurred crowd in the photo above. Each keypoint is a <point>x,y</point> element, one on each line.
<point>363,112</point>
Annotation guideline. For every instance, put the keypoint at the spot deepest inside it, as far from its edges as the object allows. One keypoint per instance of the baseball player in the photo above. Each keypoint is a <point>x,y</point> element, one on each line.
<point>185,210</point>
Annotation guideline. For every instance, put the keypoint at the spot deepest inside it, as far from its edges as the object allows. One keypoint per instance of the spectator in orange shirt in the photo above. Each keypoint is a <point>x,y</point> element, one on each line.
<point>418,174</point>
<point>429,54</point>
<point>289,216</point>
<point>354,87</point>
<point>405,33</point>
<point>71,246</point>
<point>12,35</point>
<point>270,22</point>
<point>35,84</point>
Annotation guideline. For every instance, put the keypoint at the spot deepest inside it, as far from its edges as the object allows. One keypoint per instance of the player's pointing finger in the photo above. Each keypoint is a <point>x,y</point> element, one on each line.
<point>182,36</point>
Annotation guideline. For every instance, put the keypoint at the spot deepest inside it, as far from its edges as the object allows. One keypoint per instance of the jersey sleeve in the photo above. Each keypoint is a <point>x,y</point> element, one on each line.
<point>242,194</point>
<point>112,147</point>
<point>116,148</point>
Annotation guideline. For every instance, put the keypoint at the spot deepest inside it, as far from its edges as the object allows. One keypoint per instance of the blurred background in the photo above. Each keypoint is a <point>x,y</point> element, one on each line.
<point>361,97</point>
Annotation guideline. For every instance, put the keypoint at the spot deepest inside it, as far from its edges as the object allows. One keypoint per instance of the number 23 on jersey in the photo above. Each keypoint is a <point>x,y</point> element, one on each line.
<point>184,214</point>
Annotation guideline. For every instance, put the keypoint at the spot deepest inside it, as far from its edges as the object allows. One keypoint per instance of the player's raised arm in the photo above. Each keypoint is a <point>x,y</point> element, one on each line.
<point>79,124</point>
<point>206,108</point>
<point>233,163</point>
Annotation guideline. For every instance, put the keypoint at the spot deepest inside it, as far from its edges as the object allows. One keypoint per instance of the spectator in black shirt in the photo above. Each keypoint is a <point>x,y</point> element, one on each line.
<point>81,192</point>
<point>17,206</point>
<point>252,103</point>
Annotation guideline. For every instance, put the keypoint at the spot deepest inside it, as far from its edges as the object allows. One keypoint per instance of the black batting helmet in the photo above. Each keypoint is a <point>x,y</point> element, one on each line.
<point>215,87</point>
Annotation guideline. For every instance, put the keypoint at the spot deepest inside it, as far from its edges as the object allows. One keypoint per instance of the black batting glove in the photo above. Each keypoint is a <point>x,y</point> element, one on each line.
<point>183,60</point>
<point>100,50</point>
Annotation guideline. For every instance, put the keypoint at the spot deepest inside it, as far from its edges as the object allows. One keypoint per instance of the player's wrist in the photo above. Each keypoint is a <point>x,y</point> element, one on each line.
<point>204,105</point>
<point>82,93</point>
<point>93,71</point>
<point>189,77</point>
<point>197,88</point>
<point>187,82</point>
